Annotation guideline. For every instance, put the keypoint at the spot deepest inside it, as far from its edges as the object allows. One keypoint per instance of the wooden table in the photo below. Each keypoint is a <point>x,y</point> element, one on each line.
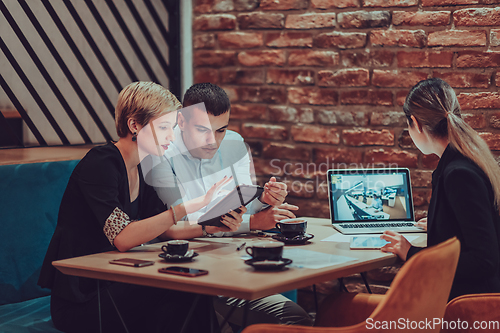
<point>228,274</point>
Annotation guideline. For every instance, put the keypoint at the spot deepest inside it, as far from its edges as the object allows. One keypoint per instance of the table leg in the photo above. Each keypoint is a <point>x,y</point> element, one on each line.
<point>363,276</point>
<point>226,319</point>
<point>190,314</point>
<point>315,298</point>
<point>245,314</point>
<point>99,305</point>
<point>117,311</point>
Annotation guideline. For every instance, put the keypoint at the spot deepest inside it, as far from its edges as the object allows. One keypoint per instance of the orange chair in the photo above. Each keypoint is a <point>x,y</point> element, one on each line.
<point>464,312</point>
<point>418,294</point>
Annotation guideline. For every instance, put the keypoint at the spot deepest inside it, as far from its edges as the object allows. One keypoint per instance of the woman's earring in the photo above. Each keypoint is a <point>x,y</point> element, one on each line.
<point>134,137</point>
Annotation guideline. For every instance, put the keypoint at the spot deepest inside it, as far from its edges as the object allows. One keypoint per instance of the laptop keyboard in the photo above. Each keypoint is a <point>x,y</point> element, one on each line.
<point>376,225</point>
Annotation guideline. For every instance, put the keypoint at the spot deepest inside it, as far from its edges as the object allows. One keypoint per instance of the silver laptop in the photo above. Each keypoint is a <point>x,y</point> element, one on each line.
<point>370,201</point>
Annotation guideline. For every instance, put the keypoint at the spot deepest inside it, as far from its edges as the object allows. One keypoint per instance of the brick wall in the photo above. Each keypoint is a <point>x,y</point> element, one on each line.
<point>315,83</point>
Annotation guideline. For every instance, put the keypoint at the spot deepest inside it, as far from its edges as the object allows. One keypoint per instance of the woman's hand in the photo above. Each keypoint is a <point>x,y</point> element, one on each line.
<point>232,220</point>
<point>274,192</point>
<point>422,223</point>
<point>196,204</point>
<point>397,244</point>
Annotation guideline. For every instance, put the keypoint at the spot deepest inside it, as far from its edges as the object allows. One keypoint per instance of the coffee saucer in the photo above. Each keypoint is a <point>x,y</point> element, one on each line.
<point>300,239</point>
<point>177,258</point>
<point>268,265</point>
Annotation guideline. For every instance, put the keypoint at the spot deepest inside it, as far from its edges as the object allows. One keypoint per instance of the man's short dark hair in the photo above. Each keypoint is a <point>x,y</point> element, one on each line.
<point>215,98</point>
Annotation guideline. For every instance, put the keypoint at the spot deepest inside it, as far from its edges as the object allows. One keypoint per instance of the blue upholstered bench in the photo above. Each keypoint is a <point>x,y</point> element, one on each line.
<point>30,195</point>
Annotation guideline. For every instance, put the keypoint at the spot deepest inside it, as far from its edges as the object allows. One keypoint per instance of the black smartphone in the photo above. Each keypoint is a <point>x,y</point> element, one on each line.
<point>132,262</point>
<point>184,271</point>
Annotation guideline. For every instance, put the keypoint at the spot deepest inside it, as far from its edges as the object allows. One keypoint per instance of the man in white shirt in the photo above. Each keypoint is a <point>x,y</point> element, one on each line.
<point>203,153</point>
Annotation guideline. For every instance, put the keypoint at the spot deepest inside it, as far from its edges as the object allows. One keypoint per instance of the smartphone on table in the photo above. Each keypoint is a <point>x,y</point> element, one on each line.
<point>184,271</point>
<point>367,242</point>
<point>132,262</point>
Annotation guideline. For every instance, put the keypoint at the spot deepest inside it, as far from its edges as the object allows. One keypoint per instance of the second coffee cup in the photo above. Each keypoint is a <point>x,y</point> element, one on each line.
<point>266,250</point>
<point>176,247</point>
<point>292,227</point>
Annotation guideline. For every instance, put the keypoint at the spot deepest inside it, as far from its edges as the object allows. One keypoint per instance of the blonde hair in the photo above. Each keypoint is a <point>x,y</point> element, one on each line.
<point>435,105</point>
<point>142,101</point>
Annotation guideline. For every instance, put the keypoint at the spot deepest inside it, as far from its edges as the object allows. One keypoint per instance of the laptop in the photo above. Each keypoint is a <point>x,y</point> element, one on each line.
<point>371,201</point>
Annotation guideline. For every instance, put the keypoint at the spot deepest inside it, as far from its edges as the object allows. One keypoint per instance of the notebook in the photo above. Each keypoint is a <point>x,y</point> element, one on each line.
<point>370,201</point>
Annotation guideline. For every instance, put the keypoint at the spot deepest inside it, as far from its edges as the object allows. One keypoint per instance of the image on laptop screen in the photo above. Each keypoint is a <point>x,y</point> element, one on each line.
<point>370,195</point>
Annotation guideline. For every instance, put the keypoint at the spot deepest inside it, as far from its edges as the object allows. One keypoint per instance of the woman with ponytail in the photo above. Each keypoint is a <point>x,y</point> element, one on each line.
<point>465,188</point>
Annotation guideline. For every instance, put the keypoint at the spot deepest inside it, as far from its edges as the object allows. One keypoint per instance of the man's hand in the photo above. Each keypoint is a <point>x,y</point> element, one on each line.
<point>397,244</point>
<point>274,192</point>
<point>422,224</point>
<point>267,218</point>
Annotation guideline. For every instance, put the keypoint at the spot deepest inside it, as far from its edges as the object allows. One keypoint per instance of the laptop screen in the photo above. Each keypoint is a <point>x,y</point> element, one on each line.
<point>362,195</point>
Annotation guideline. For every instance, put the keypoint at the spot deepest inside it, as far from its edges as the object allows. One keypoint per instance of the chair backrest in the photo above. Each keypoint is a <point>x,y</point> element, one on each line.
<point>420,290</point>
<point>475,312</point>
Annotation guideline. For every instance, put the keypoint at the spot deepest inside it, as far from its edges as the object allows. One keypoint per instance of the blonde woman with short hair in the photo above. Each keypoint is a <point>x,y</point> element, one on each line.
<point>107,205</point>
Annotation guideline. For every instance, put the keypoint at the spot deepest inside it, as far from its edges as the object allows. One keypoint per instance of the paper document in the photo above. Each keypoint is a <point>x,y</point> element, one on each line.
<point>312,259</point>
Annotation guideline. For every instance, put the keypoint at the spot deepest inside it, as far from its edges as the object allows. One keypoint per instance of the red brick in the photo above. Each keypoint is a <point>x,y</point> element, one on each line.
<point>246,5</point>
<point>431,3</point>
<point>364,19</point>
<point>475,120</point>
<point>425,59</point>
<point>289,39</point>
<point>206,75</point>
<point>357,77</point>
<point>369,97</point>
<point>401,96</point>
<point>248,111</point>
<point>389,3</point>
<point>314,133</point>
<point>483,100</point>
<point>310,21</point>
<point>391,118</point>
<point>290,77</point>
<point>396,78</point>
<point>243,76</point>
<point>465,79</point>
<point>478,59</point>
<point>402,38</point>
<point>477,17</point>
<point>343,118</point>
<point>281,113</point>
<point>371,58</point>
<point>492,140</point>
<point>420,197</point>
<point>430,161</point>
<point>262,58</point>
<point>232,93</point>
<point>315,208</point>
<point>322,190</point>
<point>457,38</point>
<point>208,6</point>
<point>309,170</point>
<point>495,37</point>
<point>312,96</point>
<point>214,58</point>
<point>342,40</point>
<point>235,128</point>
<point>384,157</point>
<point>301,189</point>
<point>337,155</point>
<point>434,18</point>
<point>261,21</point>
<point>495,120</point>
<point>497,79</point>
<point>262,94</point>
<point>283,4</point>
<point>327,4</point>
<point>313,58</point>
<point>214,22</point>
<point>262,131</point>
<point>420,214</point>
<point>368,137</point>
<point>421,178</point>
<point>405,141</point>
<point>204,41</point>
<point>236,40</point>
<point>268,168</point>
<point>286,151</point>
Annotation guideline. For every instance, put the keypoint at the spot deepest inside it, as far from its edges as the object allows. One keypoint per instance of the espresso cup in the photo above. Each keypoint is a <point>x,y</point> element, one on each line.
<point>292,227</point>
<point>176,247</point>
<point>266,250</point>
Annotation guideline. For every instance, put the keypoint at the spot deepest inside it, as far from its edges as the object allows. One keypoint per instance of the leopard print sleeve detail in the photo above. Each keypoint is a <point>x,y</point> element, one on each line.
<point>115,223</point>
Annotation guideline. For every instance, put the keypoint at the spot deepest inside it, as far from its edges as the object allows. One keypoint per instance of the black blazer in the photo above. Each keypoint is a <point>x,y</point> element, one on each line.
<point>463,205</point>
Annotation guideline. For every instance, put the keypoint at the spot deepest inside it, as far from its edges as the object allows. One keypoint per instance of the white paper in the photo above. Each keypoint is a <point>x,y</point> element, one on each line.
<point>312,259</point>
<point>341,238</point>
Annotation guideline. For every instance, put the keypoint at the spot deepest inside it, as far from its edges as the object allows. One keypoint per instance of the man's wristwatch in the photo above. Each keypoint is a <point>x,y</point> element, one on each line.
<point>204,231</point>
